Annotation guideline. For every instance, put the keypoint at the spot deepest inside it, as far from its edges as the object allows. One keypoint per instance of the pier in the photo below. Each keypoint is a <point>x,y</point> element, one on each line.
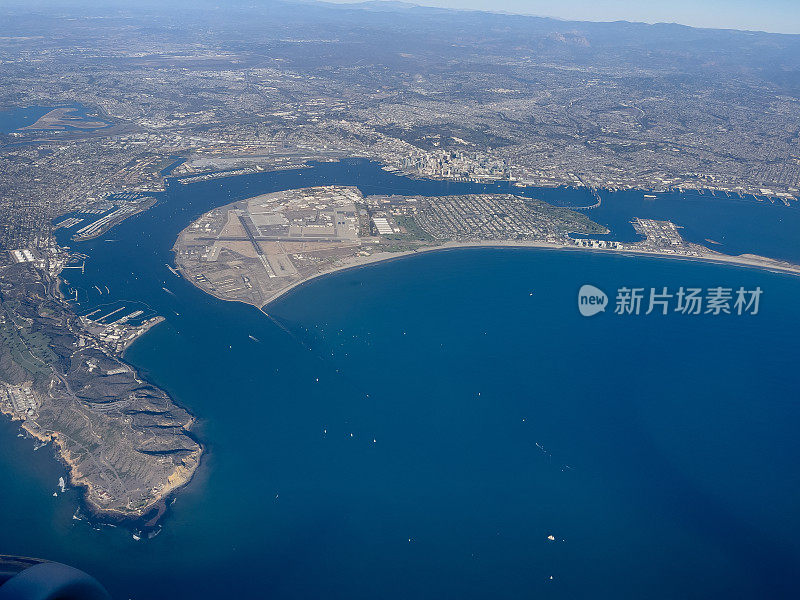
<point>82,267</point>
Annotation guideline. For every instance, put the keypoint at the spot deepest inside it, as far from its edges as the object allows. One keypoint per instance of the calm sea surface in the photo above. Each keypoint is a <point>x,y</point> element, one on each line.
<point>13,118</point>
<point>418,428</point>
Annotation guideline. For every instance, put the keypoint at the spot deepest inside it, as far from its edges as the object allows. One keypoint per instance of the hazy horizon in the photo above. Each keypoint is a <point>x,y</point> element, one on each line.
<point>774,16</point>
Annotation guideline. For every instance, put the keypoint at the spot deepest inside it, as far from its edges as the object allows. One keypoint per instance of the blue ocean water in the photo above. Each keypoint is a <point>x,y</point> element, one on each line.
<point>420,427</point>
<point>12,119</point>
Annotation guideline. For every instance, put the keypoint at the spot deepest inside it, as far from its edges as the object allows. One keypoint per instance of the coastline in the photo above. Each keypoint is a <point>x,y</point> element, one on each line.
<point>154,500</point>
<point>746,261</point>
<point>698,253</point>
<point>180,477</point>
<point>148,515</point>
<point>724,194</point>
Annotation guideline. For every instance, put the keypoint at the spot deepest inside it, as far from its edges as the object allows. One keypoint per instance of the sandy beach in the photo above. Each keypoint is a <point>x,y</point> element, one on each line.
<point>750,261</point>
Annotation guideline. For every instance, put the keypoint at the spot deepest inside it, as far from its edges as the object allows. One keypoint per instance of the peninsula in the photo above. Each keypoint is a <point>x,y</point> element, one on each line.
<point>256,250</point>
<point>124,441</point>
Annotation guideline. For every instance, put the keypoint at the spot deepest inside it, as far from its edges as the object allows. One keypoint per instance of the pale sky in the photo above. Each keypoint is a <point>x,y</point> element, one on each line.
<point>780,16</point>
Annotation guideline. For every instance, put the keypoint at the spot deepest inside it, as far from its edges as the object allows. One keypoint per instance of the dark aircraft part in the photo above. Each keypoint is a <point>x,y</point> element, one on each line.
<point>33,579</point>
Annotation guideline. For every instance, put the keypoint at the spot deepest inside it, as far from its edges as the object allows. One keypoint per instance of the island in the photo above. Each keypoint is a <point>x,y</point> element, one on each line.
<point>257,249</point>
